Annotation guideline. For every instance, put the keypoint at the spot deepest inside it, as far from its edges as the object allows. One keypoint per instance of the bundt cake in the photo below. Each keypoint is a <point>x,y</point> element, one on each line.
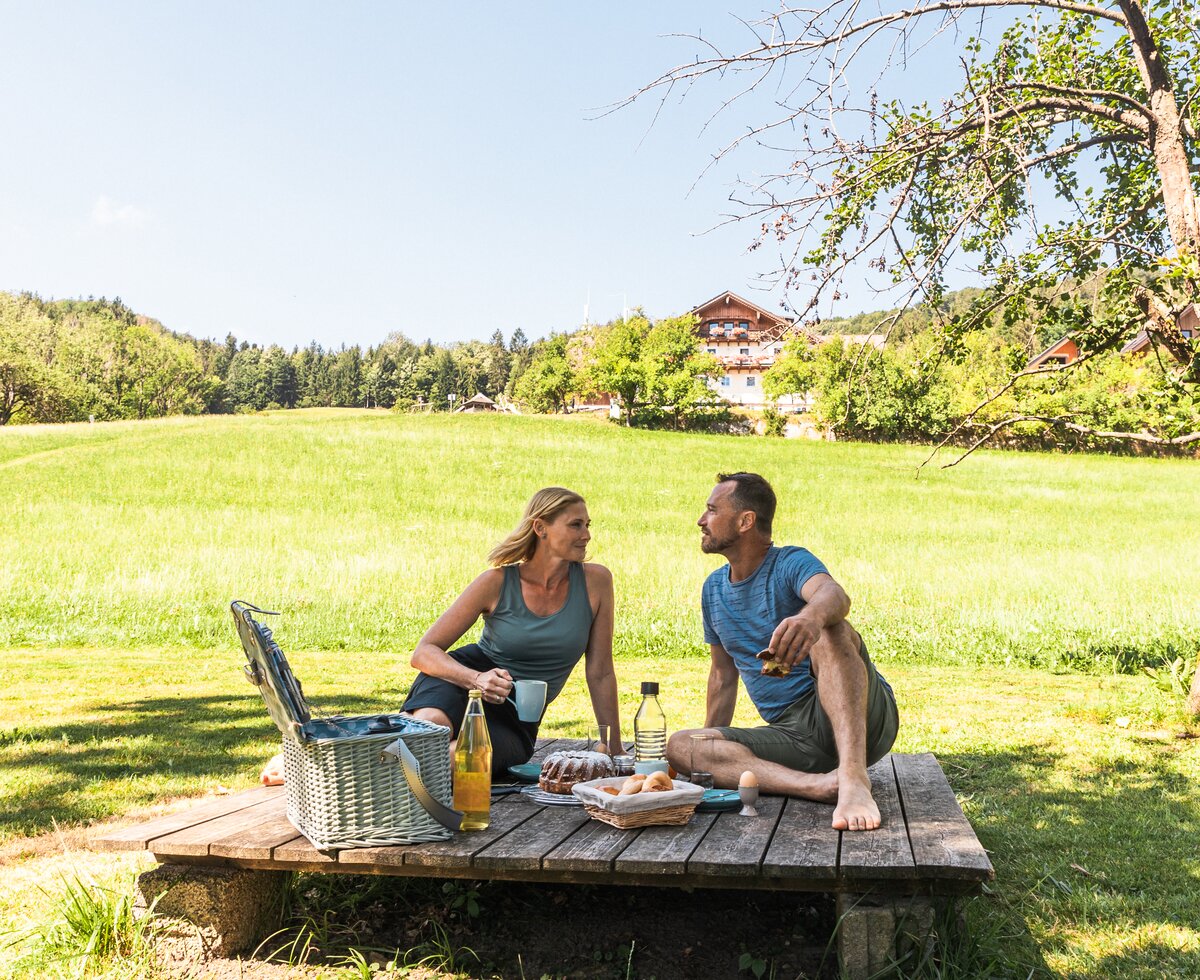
<point>562,770</point>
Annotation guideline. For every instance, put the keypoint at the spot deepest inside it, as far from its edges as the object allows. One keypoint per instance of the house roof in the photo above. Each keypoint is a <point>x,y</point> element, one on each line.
<point>1138,344</point>
<point>1058,347</point>
<point>778,325</point>
<point>479,398</point>
<point>1188,319</point>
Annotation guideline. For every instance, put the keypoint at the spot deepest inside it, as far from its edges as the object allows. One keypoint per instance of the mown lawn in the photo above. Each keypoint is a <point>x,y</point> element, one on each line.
<point>120,687</point>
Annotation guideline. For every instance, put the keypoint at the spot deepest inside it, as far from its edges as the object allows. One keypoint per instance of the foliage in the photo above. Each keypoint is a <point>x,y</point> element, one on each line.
<point>548,382</point>
<point>614,362</point>
<point>774,422</point>
<point>91,927</point>
<point>655,370</point>
<point>1175,677</point>
<point>69,360</point>
<point>676,377</point>
<point>1061,171</point>
<point>908,393</point>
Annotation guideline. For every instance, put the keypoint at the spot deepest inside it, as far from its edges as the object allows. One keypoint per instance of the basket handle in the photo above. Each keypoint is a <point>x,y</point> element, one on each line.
<point>399,752</point>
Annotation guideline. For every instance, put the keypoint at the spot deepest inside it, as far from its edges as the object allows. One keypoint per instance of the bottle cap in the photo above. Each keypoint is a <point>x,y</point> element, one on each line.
<point>650,687</point>
<point>475,693</point>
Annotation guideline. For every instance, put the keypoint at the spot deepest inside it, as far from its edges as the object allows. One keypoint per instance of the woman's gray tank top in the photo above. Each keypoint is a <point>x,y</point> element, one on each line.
<point>539,648</point>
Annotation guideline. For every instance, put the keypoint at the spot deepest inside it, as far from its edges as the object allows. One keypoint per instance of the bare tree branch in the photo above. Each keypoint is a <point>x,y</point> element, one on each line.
<point>1140,437</point>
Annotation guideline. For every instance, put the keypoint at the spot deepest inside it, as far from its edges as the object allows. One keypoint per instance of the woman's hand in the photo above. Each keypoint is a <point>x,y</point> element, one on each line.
<point>496,684</point>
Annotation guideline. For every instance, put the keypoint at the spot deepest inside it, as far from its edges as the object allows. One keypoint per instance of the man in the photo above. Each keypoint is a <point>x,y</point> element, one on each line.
<point>829,713</point>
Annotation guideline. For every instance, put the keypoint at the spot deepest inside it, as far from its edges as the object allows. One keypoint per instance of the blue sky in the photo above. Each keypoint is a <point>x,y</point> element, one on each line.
<point>299,171</point>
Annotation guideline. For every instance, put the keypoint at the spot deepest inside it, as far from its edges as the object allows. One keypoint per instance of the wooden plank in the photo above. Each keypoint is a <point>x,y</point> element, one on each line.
<point>805,845</point>
<point>137,837</point>
<point>257,841</point>
<point>664,850</point>
<point>884,853</point>
<point>593,847</point>
<point>457,852</point>
<point>258,837</point>
<point>735,845</point>
<point>300,851</point>
<point>541,833</point>
<point>198,838</point>
<point>943,842</point>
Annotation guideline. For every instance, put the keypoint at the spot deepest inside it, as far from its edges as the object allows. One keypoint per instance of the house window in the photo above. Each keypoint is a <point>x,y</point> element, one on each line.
<point>744,351</point>
<point>744,325</point>
<point>751,382</point>
<point>1187,334</point>
<point>712,350</point>
<point>725,381</point>
<point>729,325</point>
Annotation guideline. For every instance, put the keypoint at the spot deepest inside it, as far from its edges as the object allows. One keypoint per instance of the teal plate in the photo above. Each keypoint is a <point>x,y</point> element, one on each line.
<point>527,772</point>
<point>719,801</point>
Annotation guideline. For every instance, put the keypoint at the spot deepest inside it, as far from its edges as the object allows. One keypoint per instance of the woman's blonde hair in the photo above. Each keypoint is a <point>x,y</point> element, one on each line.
<point>544,505</point>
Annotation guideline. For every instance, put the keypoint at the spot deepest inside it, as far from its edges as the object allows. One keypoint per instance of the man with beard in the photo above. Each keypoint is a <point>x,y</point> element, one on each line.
<point>775,617</point>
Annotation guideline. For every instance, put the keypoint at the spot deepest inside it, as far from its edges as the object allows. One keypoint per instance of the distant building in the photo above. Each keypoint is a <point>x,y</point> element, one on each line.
<point>1189,326</point>
<point>478,402</point>
<point>745,339</point>
<point>1063,351</point>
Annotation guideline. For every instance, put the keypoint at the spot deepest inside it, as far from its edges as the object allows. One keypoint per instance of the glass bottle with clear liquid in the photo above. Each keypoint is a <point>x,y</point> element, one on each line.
<point>650,726</point>
<point>473,766</point>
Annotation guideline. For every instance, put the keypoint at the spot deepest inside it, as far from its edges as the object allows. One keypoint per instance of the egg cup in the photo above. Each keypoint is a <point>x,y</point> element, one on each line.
<point>748,796</point>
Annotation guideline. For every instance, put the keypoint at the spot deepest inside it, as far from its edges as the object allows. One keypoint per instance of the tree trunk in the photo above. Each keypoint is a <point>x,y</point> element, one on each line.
<point>1192,704</point>
<point>1166,133</point>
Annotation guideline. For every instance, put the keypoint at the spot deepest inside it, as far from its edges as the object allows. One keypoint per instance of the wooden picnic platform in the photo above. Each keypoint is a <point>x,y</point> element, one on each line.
<point>925,845</point>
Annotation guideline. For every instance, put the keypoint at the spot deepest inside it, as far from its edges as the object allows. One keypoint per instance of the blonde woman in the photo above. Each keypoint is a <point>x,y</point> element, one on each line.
<point>543,607</point>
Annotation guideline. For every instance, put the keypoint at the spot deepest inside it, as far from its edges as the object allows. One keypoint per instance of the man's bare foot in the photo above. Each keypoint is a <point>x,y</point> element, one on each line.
<point>824,788</point>
<point>856,809</point>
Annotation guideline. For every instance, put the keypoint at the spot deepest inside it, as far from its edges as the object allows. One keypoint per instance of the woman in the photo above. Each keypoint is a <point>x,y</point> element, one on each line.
<point>543,608</point>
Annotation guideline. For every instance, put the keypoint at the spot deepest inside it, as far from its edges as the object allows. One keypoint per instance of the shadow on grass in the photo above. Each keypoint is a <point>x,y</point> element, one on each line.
<point>1077,843</point>
<point>134,753</point>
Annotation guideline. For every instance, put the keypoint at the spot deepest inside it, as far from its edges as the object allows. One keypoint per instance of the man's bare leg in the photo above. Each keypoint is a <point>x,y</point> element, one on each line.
<point>842,689</point>
<point>841,676</point>
<point>729,760</point>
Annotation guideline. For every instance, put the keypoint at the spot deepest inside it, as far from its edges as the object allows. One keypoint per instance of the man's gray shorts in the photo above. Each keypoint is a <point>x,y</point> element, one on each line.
<point>802,737</point>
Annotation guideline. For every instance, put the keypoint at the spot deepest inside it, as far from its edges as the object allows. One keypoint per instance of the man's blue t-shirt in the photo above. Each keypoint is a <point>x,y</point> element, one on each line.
<point>741,616</point>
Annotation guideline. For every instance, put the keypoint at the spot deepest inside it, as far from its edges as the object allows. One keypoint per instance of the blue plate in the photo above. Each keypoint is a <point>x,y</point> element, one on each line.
<point>719,801</point>
<point>527,772</point>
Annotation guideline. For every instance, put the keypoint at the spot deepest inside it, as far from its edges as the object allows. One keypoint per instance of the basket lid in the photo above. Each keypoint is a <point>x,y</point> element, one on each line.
<point>268,670</point>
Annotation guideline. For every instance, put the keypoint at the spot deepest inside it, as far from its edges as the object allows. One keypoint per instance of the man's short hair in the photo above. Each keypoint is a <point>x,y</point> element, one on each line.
<point>753,493</point>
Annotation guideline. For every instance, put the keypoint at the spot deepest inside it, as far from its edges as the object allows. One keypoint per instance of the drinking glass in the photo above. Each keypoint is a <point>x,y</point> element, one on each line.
<point>702,760</point>
<point>602,740</point>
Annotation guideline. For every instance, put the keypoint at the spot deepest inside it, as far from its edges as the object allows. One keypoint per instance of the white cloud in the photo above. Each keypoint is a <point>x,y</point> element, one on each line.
<point>109,213</point>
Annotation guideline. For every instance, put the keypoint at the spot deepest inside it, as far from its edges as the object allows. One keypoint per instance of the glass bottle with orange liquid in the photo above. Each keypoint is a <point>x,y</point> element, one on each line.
<point>473,766</point>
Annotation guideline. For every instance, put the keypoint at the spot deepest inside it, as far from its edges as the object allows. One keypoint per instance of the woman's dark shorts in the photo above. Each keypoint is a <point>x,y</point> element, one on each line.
<point>802,737</point>
<point>512,739</point>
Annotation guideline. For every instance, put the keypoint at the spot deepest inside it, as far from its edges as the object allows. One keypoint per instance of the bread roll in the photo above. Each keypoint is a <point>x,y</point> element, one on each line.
<point>657,782</point>
<point>632,785</point>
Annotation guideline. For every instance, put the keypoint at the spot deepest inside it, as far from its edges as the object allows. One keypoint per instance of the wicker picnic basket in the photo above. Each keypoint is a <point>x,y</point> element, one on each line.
<point>672,807</point>
<point>362,781</point>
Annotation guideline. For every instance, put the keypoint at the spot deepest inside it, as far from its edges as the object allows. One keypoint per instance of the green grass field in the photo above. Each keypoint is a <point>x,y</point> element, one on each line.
<point>1000,597</point>
<point>362,526</point>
